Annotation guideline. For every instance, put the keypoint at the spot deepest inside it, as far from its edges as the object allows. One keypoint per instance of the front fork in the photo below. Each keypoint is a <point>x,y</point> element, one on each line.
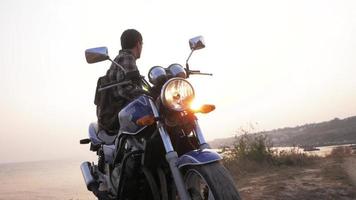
<point>199,134</point>
<point>172,156</point>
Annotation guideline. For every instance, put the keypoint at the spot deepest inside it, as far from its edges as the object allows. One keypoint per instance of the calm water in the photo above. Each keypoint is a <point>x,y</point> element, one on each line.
<point>323,151</point>
<point>60,180</point>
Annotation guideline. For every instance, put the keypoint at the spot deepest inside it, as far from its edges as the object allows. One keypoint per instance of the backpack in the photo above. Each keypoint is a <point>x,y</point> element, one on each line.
<point>107,107</point>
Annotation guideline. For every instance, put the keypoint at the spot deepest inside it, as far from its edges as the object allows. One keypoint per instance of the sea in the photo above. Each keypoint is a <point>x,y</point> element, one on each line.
<point>320,151</point>
<point>50,180</point>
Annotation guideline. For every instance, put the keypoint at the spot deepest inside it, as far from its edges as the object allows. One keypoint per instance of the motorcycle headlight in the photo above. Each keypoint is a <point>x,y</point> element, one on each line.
<point>177,94</point>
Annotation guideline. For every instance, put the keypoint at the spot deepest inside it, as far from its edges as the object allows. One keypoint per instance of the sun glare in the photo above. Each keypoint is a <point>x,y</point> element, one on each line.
<point>196,104</point>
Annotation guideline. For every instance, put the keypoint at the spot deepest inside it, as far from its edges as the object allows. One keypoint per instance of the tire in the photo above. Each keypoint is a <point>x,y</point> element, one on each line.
<point>210,182</point>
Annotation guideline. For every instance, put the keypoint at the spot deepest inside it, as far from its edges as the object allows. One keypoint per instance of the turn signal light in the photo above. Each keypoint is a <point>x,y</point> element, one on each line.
<point>146,120</point>
<point>206,108</point>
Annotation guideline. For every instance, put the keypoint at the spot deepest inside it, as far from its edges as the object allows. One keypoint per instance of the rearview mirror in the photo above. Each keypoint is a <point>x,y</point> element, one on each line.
<point>197,43</point>
<point>98,54</point>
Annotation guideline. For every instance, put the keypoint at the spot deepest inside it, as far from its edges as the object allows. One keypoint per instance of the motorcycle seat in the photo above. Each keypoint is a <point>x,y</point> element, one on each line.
<point>100,136</point>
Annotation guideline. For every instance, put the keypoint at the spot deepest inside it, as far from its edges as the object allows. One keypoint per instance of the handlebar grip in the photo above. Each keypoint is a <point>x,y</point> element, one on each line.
<point>84,141</point>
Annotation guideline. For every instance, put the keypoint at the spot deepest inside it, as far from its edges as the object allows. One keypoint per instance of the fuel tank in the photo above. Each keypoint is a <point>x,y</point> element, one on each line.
<point>128,116</point>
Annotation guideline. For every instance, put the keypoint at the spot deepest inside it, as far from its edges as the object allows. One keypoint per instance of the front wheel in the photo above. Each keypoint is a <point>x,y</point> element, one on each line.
<point>210,182</point>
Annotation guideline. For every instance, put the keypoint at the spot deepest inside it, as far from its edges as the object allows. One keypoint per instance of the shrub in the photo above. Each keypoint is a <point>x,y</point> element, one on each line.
<point>252,147</point>
<point>338,153</point>
<point>251,151</point>
<point>293,157</point>
<point>341,151</point>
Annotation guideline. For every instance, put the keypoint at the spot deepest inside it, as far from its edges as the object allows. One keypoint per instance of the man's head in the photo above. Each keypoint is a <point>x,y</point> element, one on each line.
<point>132,39</point>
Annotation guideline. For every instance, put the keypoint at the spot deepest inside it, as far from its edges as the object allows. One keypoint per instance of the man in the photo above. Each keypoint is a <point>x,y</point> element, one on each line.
<point>109,102</point>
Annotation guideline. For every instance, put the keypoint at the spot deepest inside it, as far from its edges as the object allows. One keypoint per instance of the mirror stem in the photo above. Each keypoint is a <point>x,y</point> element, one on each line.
<point>189,56</point>
<point>186,63</point>
<point>117,64</point>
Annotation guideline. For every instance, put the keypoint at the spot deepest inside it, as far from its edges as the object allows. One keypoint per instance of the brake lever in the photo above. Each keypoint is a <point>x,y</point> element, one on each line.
<point>197,72</point>
<point>208,74</point>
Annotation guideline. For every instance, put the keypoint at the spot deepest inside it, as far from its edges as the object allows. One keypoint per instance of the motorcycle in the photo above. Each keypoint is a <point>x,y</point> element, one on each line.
<point>160,152</point>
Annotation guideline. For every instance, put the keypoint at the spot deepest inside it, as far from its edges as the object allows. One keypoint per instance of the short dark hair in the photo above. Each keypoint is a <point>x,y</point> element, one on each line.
<point>129,38</point>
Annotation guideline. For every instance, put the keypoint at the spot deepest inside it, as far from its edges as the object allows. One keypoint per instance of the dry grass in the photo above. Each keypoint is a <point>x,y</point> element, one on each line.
<point>293,157</point>
<point>262,173</point>
<point>325,178</point>
<point>340,152</point>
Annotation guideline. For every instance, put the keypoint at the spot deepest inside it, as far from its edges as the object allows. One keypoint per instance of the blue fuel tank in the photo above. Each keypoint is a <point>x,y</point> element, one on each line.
<point>128,116</point>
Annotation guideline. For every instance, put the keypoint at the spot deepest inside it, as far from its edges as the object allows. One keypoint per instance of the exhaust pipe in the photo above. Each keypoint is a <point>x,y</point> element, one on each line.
<point>91,183</point>
<point>88,177</point>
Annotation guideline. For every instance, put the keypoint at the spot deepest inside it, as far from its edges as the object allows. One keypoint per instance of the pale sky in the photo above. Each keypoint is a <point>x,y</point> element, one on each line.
<point>275,63</point>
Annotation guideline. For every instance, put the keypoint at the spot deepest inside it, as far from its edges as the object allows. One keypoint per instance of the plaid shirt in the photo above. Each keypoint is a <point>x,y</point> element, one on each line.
<point>127,60</point>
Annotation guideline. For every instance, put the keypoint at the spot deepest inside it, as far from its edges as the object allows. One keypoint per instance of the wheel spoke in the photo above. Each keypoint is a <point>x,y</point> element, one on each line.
<point>197,186</point>
<point>209,182</point>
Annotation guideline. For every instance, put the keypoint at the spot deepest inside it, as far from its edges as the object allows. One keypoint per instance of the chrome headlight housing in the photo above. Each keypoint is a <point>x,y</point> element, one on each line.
<point>157,75</point>
<point>177,94</point>
<point>177,70</point>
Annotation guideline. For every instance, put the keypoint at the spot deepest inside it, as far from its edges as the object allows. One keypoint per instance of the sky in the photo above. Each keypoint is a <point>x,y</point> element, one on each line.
<point>276,63</point>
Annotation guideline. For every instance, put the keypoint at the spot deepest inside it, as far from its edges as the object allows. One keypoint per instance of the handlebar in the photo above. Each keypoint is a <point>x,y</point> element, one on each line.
<point>197,72</point>
<point>194,72</point>
<point>113,85</point>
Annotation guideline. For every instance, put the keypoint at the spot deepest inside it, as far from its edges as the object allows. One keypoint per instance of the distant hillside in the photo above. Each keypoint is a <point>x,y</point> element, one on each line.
<point>331,132</point>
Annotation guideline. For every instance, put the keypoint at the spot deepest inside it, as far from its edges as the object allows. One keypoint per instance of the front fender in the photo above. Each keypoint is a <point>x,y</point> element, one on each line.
<point>198,157</point>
